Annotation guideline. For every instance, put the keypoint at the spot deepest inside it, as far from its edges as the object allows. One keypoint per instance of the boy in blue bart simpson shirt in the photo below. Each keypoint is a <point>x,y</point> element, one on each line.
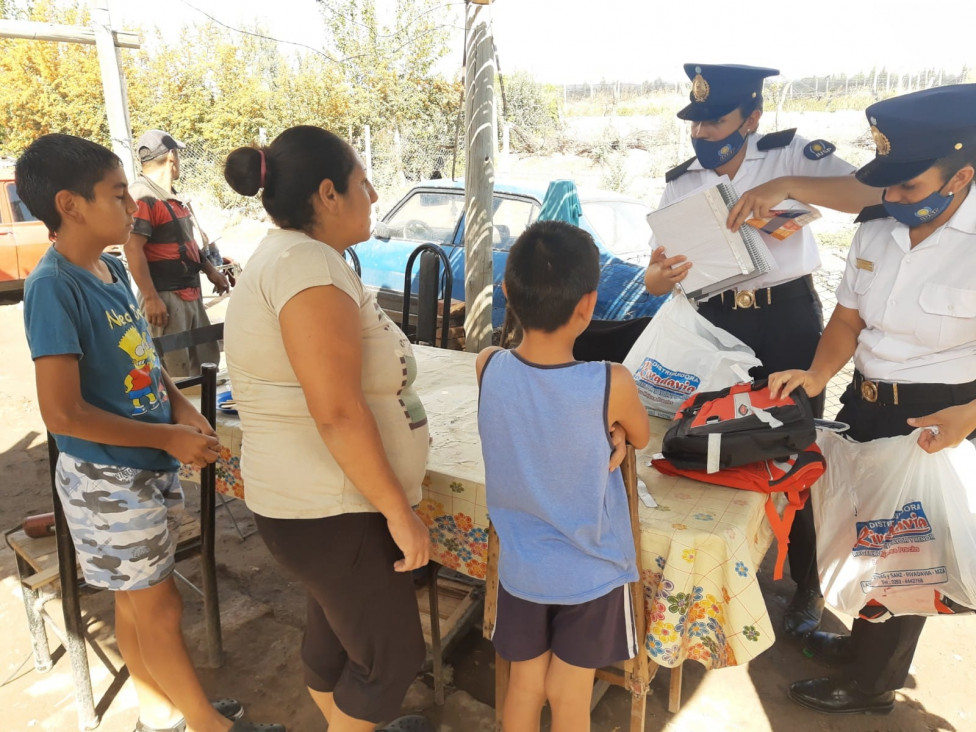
<point>566,546</point>
<point>121,426</point>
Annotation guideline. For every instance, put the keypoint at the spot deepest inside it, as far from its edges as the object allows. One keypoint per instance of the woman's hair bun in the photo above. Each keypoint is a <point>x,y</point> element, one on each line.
<point>242,170</point>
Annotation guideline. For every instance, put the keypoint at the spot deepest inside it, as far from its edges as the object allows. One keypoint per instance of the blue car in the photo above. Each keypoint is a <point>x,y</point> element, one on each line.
<point>433,212</point>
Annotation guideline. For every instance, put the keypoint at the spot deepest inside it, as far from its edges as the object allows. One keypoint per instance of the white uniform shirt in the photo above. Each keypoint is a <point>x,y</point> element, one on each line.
<point>796,255</point>
<point>918,305</point>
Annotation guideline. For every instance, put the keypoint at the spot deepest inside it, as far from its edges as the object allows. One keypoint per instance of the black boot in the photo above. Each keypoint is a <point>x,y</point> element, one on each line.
<point>831,648</point>
<point>803,614</point>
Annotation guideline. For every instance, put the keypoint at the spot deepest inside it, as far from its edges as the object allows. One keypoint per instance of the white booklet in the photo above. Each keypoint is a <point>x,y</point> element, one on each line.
<point>694,226</point>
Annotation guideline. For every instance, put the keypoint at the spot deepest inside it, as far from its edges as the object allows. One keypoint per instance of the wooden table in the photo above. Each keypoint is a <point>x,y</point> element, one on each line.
<point>700,546</point>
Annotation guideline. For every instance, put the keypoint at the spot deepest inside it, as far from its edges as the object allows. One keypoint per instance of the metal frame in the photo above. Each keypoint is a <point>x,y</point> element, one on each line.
<point>446,290</point>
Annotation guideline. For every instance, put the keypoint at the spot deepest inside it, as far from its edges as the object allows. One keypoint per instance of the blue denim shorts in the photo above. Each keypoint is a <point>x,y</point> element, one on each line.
<point>123,521</point>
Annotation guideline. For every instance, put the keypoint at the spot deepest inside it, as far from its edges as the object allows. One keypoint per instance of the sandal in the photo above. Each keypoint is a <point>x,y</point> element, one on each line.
<point>409,723</point>
<point>229,708</point>
<point>252,727</point>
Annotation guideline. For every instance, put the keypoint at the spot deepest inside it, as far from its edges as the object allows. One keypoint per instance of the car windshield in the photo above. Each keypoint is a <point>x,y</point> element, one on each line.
<point>18,207</point>
<point>621,225</point>
<point>428,216</point>
<point>432,216</point>
<point>510,218</point>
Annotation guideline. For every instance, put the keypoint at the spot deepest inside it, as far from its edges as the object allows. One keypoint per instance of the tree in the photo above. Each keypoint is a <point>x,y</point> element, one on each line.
<point>533,109</point>
<point>50,87</point>
<point>390,68</point>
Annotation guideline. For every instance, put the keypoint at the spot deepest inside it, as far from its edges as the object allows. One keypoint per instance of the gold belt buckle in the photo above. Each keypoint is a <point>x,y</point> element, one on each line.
<point>869,391</point>
<point>745,299</point>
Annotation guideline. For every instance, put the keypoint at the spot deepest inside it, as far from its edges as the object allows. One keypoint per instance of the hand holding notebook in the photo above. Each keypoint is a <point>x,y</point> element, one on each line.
<point>694,226</point>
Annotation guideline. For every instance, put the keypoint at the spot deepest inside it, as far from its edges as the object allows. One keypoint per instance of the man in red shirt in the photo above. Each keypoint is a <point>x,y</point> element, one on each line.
<point>164,257</point>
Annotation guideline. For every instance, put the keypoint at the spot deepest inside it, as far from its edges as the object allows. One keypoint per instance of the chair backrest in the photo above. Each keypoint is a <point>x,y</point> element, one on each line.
<point>608,340</point>
<point>188,338</point>
<point>67,560</point>
<point>432,257</point>
<point>351,255</point>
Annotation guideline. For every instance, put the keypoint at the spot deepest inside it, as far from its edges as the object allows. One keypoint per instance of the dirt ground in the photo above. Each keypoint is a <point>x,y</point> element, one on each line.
<point>262,615</point>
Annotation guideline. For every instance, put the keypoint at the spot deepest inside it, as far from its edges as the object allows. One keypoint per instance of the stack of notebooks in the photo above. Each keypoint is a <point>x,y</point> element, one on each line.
<point>695,227</point>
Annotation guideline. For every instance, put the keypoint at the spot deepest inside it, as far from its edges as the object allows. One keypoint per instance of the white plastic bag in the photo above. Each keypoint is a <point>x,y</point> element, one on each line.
<point>896,526</point>
<point>680,353</point>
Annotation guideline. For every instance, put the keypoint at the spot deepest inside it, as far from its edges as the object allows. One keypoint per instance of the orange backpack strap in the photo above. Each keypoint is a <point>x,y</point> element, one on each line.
<point>781,530</point>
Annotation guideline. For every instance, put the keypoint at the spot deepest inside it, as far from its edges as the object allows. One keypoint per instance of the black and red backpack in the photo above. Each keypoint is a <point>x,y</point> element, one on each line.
<point>742,438</point>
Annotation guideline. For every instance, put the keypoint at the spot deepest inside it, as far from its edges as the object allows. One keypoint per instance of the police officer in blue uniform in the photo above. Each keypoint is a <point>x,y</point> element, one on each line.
<point>777,314</point>
<point>906,312</point>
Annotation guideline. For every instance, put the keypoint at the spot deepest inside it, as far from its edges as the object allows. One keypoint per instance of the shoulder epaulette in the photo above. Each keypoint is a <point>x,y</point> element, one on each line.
<point>679,170</point>
<point>776,139</point>
<point>872,213</point>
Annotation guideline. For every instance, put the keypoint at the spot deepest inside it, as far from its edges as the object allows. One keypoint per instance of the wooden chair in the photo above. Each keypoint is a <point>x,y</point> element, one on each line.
<point>634,675</point>
<point>43,563</point>
<point>432,257</point>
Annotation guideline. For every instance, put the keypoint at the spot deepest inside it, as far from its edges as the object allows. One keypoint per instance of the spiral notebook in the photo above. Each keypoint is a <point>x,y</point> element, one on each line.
<point>695,227</point>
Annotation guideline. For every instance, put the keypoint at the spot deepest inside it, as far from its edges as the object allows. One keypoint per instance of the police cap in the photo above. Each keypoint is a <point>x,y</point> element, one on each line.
<point>717,89</point>
<point>914,130</point>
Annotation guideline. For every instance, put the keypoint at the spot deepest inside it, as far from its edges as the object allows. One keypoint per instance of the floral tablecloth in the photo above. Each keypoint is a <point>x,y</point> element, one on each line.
<point>699,547</point>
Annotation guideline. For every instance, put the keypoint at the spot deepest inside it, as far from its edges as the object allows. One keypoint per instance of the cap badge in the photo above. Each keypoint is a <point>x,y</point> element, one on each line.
<point>699,88</point>
<point>880,141</point>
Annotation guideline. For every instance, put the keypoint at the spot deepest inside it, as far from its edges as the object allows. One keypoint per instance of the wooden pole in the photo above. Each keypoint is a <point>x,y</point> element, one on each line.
<point>34,31</point>
<point>113,83</point>
<point>479,177</point>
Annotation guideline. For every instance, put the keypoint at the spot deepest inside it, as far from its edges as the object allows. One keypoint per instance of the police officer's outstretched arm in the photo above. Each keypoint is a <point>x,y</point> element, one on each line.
<point>835,349</point>
<point>841,193</point>
<point>952,425</point>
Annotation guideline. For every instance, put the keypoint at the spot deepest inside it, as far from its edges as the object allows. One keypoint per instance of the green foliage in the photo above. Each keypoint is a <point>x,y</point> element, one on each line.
<point>217,89</point>
<point>50,87</point>
<point>410,109</point>
<point>531,107</point>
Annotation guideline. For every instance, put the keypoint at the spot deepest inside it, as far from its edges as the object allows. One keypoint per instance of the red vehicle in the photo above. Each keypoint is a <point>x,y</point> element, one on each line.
<point>23,239</point>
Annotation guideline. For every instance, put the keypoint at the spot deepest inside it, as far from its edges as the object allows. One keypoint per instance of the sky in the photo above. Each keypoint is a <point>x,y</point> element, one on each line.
<point>576,41</point>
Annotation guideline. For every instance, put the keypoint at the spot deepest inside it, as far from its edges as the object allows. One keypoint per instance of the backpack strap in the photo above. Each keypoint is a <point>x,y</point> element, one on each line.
<point>184,255</point>
<point>782,525</point>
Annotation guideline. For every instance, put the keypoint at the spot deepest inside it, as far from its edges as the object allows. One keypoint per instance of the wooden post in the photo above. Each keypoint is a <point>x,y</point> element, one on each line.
<point>479,177</point>
<point>113,82</point>
<point>36,31</point>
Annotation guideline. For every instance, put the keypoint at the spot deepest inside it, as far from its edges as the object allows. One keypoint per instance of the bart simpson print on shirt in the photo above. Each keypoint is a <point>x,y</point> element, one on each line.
<point>138,382</point>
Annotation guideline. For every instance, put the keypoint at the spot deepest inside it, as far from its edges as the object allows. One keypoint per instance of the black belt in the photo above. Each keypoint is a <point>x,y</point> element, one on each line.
<point>765,296</point>
<point>890,393</point>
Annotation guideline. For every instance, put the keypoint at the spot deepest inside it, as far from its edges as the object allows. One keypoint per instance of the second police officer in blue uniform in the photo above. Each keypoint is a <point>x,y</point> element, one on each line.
<point>779,316</point>
<point>906,312</point>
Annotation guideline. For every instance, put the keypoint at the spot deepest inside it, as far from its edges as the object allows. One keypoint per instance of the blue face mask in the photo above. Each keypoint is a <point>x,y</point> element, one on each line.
<point>913,214</point>
<point>712,155</point>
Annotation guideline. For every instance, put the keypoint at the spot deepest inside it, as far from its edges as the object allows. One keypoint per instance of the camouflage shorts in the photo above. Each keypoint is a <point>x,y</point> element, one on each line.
<point>123,521</point>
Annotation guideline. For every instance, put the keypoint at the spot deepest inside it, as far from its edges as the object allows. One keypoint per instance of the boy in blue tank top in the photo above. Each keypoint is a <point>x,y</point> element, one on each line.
<point>567,551</point>
<point>121,426</point>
